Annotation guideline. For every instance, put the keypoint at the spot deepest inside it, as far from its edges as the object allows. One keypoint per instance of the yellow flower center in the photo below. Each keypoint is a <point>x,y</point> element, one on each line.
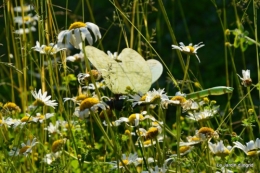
<point>206,130</point>
<point>41,117</point>
<point>147,142</point>
<point>194,138</point>
<point>1,121</point>
<point>124,161</point>
<point>224,153</point>
<point>143,97</point>
<point>81,97</point>
<point>23,150</point>
<point>56,146</point>
<point>132,117</point>
<point>191,49</point>
<point>152,133</point>
<point>181,99</point>
<point>38,102</point>
<point>26,18</point>
<point>127,132</point>
<point>183,149</point>
<point>25,119</point>
<point>48,49</point>
<point>11,106</point>
<point>88,103</point>
<point>252,153</point>
<point>77,25</point>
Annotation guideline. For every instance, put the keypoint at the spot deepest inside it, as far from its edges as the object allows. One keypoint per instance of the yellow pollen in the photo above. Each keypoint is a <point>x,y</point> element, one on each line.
<point>191,49</point>
<point>88,103</point>
<point>77,25</point>
<point>23,150</point>
<point>1,121</point>
<point>183,149</point>
<point>132,117</point>
<point>181,99</point>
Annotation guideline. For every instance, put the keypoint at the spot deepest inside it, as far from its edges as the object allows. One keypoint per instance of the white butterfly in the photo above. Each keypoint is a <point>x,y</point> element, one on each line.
<point>131,71</point>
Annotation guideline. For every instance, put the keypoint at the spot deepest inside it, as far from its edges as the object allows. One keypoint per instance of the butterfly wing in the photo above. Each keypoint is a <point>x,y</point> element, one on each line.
<point>132,72</point>
<point>156,69</point>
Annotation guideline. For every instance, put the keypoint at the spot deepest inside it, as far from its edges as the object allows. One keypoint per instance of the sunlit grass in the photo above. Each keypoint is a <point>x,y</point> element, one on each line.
<point>63,110</point>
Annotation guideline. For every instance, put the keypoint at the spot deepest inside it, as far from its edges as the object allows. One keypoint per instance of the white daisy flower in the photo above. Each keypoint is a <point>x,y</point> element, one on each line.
<point>40,118</point>
<point>114,56</point>
<point>24,8</point>
<point>152,97</point>
<point>52,129</point>
<point>51,49</point>
<point>22,31</point>
<point>99,85</point>
<point>149,142</point>
<point>192,140</point>
<point>203,115</point>
<point>88,105</point>
<point>51,157</point>
<point>25,149</point>
<point>131,159</point>
<point>132,119</point>
<point>219,149</point>
<point>78,57</point>
<point>43,99</point>
<point>251,148</point>
<point>184,150</point>
<point>28,20</point>
<point>246,80</point>
<point>157,169</point>
<point>78,32</point>
<point>190,50</point>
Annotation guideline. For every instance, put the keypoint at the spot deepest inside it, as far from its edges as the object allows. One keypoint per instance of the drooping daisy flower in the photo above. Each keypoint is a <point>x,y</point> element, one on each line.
<point>77,33</point>
<point>149,142</point>
<point>219,149</point>
<point>51,49</point>
<point>206,133</point>
<point>43,99</point>
<point>246,80</point>
<point>28,20</point>
<point>251,148</point>
<point>190,50</point>
<point>84,77</point>
<point>91,86</point>
<point>25,149</point>
<point>24,8</point>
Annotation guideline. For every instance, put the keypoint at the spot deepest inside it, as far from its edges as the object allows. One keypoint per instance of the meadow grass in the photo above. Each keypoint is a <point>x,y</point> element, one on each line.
<point>68,105</point>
